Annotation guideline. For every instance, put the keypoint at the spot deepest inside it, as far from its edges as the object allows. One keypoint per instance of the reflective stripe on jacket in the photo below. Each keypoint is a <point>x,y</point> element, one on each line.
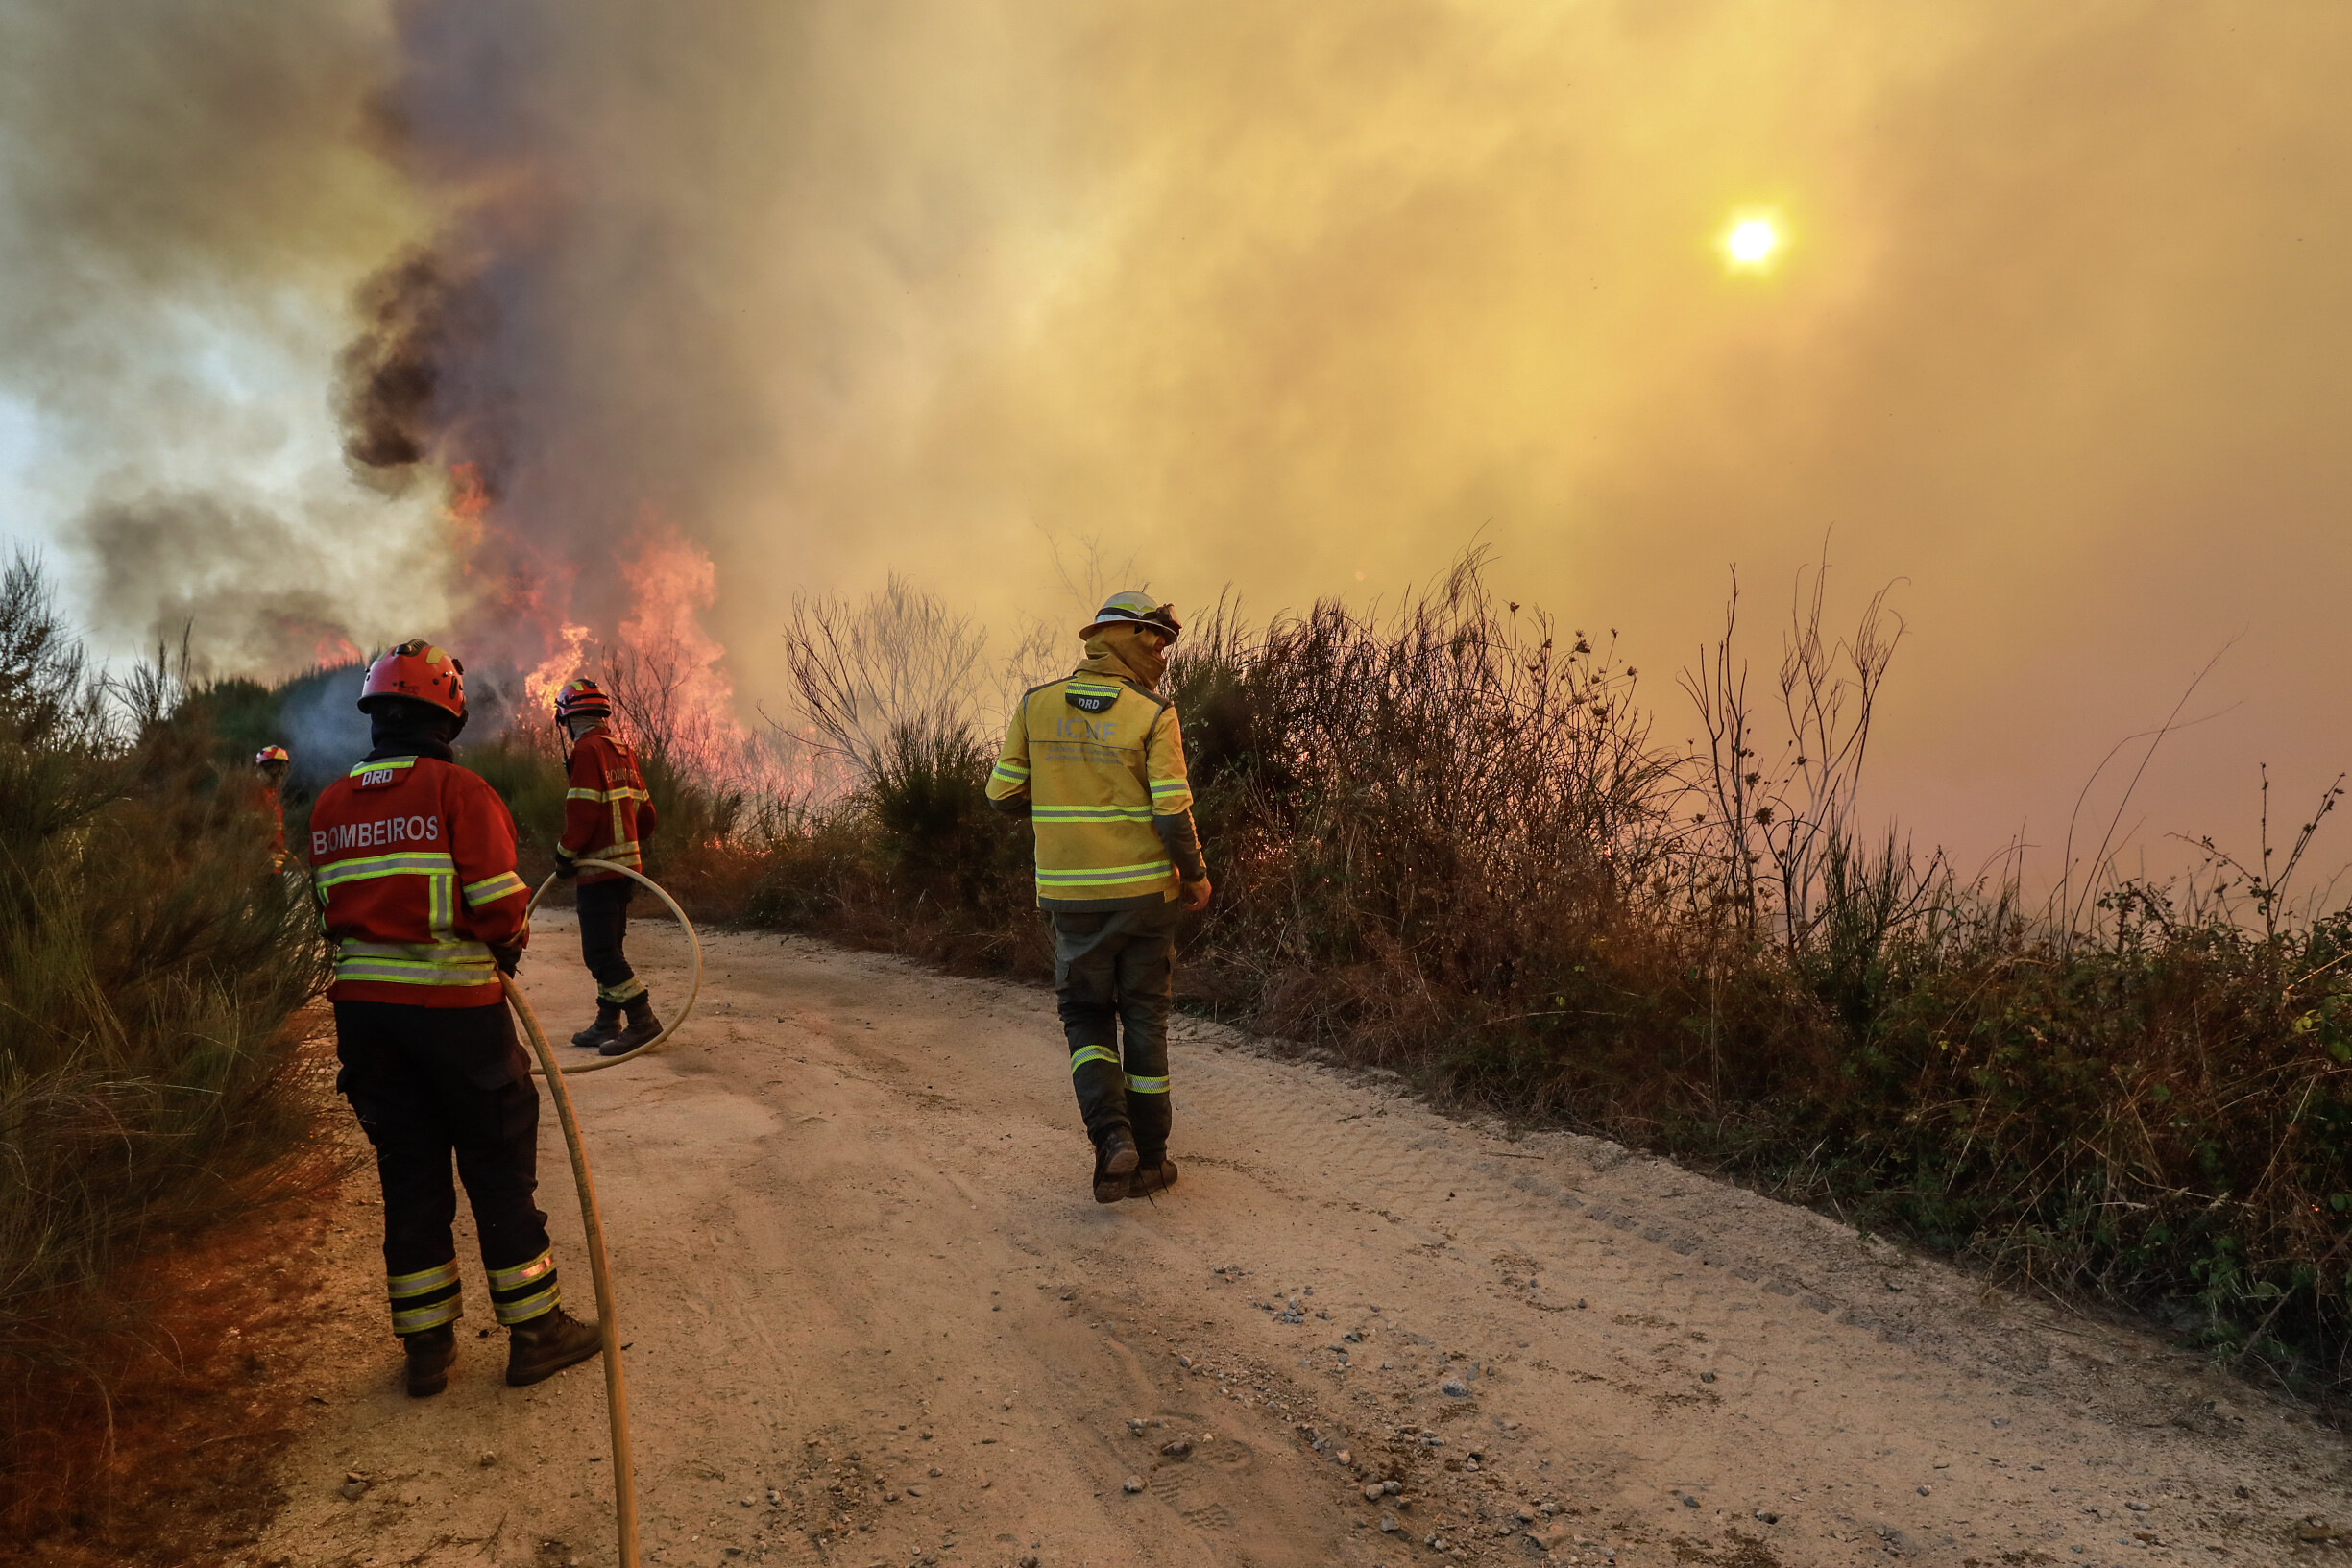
<point>1099,757</point>
<point>607,812</point>
<point>413,859</point>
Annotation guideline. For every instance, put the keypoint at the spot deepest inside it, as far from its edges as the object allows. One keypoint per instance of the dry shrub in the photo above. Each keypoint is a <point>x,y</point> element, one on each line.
<point>912,861</point>
<point>152,965</point>
<point>1445,843</point>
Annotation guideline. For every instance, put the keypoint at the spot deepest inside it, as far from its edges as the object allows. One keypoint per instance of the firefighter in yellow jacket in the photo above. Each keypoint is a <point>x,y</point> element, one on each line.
<point>1096,762</point>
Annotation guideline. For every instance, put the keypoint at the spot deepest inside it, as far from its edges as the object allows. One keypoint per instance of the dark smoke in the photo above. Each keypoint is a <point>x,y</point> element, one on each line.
<point>218,569</point>
<point>418,317</point>
<point>560,350</point>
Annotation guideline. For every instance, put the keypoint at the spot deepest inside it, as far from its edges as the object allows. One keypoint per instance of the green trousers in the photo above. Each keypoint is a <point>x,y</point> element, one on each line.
<point>1114,979</point>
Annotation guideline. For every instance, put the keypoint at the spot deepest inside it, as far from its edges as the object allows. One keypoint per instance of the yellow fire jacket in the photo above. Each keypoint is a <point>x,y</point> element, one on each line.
<point>1100,763</point>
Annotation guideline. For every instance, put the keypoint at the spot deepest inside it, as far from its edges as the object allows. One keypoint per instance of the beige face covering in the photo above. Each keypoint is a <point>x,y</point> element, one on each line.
<point>1126,650</point>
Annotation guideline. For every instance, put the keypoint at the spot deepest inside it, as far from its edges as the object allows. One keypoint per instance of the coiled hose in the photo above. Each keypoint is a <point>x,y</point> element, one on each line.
<point>594,1064</point>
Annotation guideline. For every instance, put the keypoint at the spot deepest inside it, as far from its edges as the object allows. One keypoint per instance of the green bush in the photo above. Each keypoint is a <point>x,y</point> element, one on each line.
<point>527,772</point>
<point>151,966</point>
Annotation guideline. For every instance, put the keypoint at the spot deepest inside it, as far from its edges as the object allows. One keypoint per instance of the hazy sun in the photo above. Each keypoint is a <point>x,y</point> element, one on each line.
<point>1751,244</point>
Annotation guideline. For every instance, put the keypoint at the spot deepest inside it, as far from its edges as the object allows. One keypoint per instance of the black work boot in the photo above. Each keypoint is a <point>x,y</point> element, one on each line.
<point>604,1030</point>
<point>644,1029</point>
<point>542,1346</point>
<point>1153,1173</point>
<point>1114,1162</point>
<point>430,1351</point>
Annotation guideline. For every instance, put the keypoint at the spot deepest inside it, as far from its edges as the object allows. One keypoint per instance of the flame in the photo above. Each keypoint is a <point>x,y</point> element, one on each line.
<point>540,685</point>
<point>668,673</point>
<point>672,581</point>
<point>333,650</point>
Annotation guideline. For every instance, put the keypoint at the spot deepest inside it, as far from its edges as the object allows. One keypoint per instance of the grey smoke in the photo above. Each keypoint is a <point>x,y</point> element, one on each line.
<point>323,729</point>
<point>250,589</point>
<point>185,203</point>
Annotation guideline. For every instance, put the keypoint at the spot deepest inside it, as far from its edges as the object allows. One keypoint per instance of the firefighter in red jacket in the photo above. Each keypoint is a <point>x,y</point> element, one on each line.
<point>270,765</point>
<point>413,859</point>
<point>607,817</point>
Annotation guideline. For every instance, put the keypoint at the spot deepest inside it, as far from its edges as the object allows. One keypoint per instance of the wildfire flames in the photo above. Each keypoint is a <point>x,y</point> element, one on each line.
<point>671,581</point>
<point>667,674</point>
<point>552,576</point>
<point>662,669</point>
<point>540,685</point>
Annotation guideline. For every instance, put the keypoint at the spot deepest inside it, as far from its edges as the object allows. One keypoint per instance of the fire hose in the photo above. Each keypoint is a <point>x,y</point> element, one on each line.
<point>615,1381</point>
<point>692,991</point>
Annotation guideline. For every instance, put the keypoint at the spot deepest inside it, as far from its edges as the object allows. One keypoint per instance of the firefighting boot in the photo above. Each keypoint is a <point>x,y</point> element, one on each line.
<point>604,1030</point>
<point>1114,1162</point>
<point>644,1029</point>
<point>430,1351</point>
<point>542,1346</point>
<point>1153,1173</point>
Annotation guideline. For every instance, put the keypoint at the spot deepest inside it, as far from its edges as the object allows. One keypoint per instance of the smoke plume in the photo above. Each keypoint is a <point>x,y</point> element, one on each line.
<point>184,206</point>
<point>1298,301</point>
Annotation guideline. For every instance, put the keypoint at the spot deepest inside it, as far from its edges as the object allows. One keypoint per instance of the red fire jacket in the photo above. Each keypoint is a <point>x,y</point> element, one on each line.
<point>414,864</point>
<point>607,813</point>
<point>267,800</point>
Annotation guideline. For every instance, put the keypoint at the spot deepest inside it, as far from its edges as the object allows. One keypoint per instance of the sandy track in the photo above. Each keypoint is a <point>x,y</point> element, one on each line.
<point>860,1270</point>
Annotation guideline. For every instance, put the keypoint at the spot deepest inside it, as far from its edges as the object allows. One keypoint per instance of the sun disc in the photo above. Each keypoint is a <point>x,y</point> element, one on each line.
<point>1752,242</point>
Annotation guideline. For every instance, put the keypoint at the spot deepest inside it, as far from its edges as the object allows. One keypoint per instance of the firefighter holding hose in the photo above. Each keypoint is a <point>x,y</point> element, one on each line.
<point>1096,762</point>
<point>608,814</point>
<point>413,859</point>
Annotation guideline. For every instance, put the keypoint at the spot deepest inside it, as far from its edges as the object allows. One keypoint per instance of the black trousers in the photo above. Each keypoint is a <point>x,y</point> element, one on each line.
<point>1114,976</point>
<point>431,1084</point>
<point>604,925</point>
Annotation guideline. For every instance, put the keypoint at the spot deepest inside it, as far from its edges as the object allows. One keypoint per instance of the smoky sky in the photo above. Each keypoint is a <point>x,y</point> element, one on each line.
<point>1294,301</point>
<point>183,210</point>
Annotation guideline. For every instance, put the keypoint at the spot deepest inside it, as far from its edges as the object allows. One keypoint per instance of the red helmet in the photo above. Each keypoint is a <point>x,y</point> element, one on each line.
<point>582,696</point>
<point>271,754</point>
<point>417,670</point>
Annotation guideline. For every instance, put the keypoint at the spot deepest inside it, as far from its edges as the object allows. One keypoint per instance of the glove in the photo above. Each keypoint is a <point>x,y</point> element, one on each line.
<point>565,866</point>
<point>508,959</point>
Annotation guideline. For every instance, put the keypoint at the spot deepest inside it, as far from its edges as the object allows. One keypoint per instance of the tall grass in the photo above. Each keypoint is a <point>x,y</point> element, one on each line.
<point>1445,842</point>
<point>152,1081</point>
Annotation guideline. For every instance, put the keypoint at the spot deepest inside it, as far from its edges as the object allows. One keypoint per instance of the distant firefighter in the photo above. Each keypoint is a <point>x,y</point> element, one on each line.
<point>270,764</point>
<point>607,817</point>
<point>1096,762</point>
<point>414,861</point>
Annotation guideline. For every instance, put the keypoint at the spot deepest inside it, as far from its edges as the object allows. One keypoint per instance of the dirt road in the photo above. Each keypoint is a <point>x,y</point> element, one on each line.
<point>876,1317</point>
